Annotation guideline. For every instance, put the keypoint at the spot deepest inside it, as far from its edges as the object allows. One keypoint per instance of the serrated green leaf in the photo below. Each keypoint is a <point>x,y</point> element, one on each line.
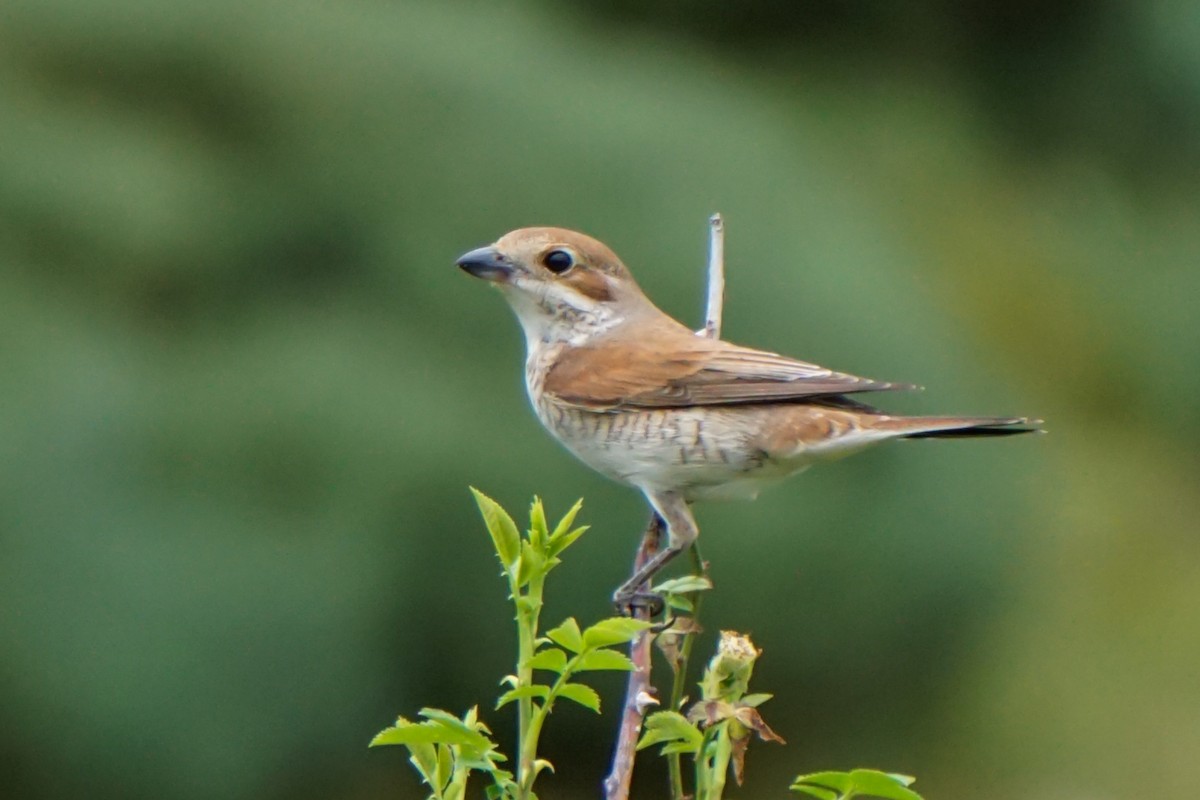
<point>551,659</point>
<point>538,532</point>
<point>424,757</point>
<point>684,585</point>
<point>445,767</point>
<point>837,782</point>
<point>567,634</point>
<point>604,659</point>
<point>433,732</point>
<point>505,538</point>
<point>680,602</point>
<point>755,700</point>
<point>614,630</point>
<point>446,718</point>
<point>471,737</point>
<point>882,784</point>
<point>836,785</point>
<point>568,519</point>
<point>483,762</point>
<point>584,695</point>
<point>537,690</point>
<point>671,727</point>
<point>561,543</point>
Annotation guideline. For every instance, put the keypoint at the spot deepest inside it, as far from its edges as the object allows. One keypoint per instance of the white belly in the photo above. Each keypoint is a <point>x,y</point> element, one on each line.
<point>704,453</point>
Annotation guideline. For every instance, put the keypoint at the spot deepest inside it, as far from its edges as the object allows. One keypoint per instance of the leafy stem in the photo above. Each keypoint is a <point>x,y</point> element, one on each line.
<point>715,731</point>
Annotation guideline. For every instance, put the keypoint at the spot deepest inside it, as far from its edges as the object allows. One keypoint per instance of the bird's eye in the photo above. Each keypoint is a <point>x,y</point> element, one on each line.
<point>558,261</point>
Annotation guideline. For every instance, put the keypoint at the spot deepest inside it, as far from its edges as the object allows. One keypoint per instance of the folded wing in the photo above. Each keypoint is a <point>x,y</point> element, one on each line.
<point>674,368</point>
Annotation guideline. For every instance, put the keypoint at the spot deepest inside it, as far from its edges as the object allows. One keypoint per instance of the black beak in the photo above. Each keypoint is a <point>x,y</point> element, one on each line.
<point>487,263</point>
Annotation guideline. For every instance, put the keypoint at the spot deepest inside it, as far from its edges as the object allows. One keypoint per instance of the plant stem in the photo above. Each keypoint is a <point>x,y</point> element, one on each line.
<point>527,625</point>
<point>533,735</point>
<point>679,671</point>
<point>720,768</point>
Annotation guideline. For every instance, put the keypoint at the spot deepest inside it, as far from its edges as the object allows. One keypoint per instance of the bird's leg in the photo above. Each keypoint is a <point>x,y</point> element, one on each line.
<point>638,602</point>
<point>670,508</point>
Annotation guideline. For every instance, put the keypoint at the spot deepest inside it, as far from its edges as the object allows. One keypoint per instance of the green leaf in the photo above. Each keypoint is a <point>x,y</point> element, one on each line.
<point>560,543</point>
<point>537,690</point>
<point>424,757</point>
<point>567,521</point>
<point>680,602</point>
<point>883,784</point>
<point>684,585</point>
<point>584,695</point>
<point>755,700</point>
<point>474,741</point>
<point>567,634</point>
<point>445,767</point>
<point>538,533</point>
<point>484,762</point>
<point>551,659</point>
<point>500,525</point>
<point>673,728</point>
<point>837,785</point>
<point>614,630</point>
<point>604,659</point>
<point>837,782</point>
<point>432,732</point>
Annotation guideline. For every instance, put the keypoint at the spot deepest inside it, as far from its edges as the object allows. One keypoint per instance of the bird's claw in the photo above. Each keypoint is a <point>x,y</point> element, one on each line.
<point>635,604</point>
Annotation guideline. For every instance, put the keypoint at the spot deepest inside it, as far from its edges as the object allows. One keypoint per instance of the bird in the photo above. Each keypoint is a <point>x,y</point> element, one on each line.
<point>642,399</point>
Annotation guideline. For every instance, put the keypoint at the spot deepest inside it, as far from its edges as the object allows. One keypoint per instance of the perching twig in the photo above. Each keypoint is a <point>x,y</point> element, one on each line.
<point>638,691</point>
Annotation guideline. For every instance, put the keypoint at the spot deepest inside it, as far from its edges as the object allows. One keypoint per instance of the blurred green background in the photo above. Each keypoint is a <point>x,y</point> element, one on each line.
<point>244,387</point>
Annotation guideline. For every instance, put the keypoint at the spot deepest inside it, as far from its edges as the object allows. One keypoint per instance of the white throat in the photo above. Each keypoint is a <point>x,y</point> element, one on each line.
<point>555,315</point>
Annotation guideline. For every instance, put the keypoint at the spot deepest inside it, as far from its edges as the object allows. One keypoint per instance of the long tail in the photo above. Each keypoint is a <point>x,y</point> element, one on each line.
<point>959,427</point>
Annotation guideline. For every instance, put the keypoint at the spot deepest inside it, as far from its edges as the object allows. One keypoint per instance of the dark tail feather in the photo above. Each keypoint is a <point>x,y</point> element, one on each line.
<point>966,427</point>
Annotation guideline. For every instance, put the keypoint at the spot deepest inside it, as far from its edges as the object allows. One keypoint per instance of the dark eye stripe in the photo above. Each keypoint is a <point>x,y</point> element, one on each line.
<point>558,261</point>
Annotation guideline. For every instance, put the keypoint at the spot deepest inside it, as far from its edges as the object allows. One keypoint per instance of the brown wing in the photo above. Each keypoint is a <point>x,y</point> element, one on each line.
<point>674,368</point>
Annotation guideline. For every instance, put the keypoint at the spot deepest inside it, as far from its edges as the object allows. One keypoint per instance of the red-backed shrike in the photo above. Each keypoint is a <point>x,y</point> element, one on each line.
<point>642,399</point>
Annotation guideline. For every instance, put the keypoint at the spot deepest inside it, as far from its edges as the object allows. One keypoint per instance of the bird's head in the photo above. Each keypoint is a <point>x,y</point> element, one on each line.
<point>562,285</point>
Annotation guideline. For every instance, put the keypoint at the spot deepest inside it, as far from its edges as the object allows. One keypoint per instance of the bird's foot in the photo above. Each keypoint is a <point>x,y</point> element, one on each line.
<point>646,605</point>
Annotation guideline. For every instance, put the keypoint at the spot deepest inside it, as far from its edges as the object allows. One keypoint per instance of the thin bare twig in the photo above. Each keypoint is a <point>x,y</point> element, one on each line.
<point>638,691</point>
<point>716,277</point>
